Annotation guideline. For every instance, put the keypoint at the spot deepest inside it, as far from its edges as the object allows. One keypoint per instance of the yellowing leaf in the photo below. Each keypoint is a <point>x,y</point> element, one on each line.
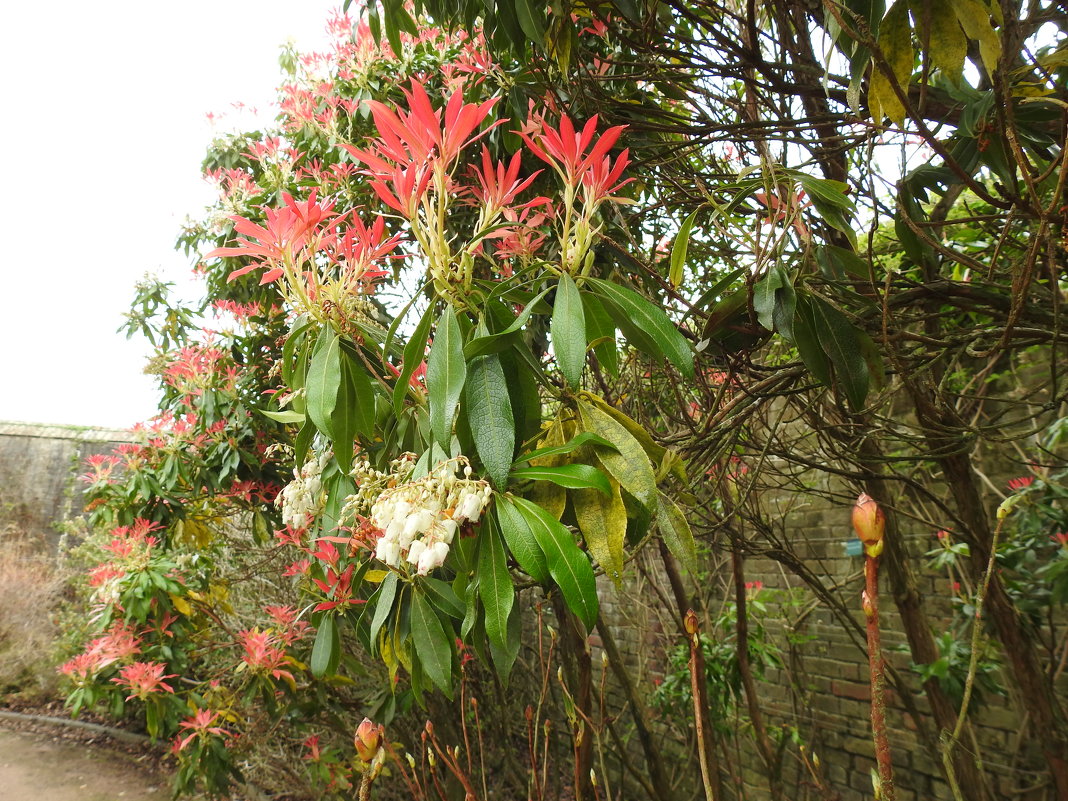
<point>375,576</point>
<point>181,604</point>
<point>895,41</point>
<point>603,523</point>
<point>974,18</point>
<point>628,464</point>
<point>666,461</point>
<point>947,43</point>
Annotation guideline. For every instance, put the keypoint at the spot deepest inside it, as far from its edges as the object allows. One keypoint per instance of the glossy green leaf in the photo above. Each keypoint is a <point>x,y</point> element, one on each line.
<point>568,332</point>
<point>284,416</point>
<point>839,341</point>
<point>645,324</point>
<point>327,648</point>
<point>569,567</point>
<point>495,343</point>
<point>521,542</point>
<point>489,413</point>
<point>446,372</point>
<point>572,476</point>
<point>353,414</point>
<point>383,604</point>
<point>531,15</point>
<point>764,296</point>
<point>324,380</point>
<point>504,656</point>
<point>433,647</point>
<point>442,596</point>
<point>495,585</point>
<point>808,344</point>
<point>601,332</point>
<point>679,249</point>
<point>585,438</point>
<point>414,350</point>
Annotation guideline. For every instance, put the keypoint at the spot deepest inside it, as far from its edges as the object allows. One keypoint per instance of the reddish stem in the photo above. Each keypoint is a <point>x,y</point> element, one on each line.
<point>878,680</point>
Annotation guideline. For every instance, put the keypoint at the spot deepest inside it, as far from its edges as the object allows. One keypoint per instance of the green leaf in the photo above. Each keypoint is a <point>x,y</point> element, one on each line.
<point>572,476</point>
<point>433,647</point>
<point>569,567</point>
<point>385,596</point>
<point>531,16</point>
<point>601,332</point>
<point>568,332</point>
<point>678,250</point>
<point>807,343</point>
<point>414,350</point>
<point>831,202</point>
<point>645,324</point>
<point>442,595</point>
<point>284,416</point>
<point>585,438</point>
<point>504,657</point>
<point>489,412</point>
<point>495,585</point>
<point>445,374</point>
<point>326,652</point>
<point>677,533</point>
<point>521,540</point>
<point>353,413</point>
<point>764,296</point>
<point>495,343</point>
<point>839,341</point>
<point>602,519</point>
<point>324,380</point>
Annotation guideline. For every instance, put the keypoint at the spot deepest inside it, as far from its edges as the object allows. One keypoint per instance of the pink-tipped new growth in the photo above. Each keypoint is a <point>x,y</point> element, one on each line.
<point>368,740</point>
<point>869,522</point>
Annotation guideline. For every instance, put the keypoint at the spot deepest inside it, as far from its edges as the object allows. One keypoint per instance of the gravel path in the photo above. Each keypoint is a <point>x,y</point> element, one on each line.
<point>39,767</point>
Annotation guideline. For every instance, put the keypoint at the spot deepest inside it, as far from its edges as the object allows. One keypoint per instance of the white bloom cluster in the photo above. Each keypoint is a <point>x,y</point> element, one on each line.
<point>302,499</point>
<point>419,518</point>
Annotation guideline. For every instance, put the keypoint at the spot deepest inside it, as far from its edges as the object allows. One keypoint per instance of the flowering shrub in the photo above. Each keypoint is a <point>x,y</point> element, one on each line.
<point>386,267</point>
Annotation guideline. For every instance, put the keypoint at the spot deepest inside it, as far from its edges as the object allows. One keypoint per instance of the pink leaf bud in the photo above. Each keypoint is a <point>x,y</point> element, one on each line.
<point>368,740</point>
<point>869,523</point>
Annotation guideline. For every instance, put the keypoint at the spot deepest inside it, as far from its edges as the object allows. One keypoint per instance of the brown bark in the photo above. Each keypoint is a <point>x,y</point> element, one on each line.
<point>654,761</point>
<point>767,753</point>
<point>682,603</point>
<point>579,668</point>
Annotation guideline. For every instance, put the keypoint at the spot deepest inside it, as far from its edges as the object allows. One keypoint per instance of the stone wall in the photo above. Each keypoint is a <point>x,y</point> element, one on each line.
<point>39,469</point>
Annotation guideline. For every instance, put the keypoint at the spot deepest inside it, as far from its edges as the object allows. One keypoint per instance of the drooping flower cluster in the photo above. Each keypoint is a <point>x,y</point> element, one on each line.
<point>419,517</point>
<point>302,499</point>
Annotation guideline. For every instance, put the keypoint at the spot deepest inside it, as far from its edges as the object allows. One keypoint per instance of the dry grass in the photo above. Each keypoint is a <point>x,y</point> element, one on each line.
<point>30,590</point>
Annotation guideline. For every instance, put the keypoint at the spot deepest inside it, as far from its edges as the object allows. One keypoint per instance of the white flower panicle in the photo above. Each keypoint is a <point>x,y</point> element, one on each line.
<point>303,498</point>
<point>419,518</point>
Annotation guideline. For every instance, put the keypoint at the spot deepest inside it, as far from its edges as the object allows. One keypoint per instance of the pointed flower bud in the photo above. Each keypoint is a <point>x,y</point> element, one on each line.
<point>368,740</point>
<point>869,522</point>
<point>691,622</point>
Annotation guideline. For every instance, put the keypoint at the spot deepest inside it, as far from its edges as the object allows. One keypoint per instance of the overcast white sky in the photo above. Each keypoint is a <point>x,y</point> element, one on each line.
<point>102,135</point>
